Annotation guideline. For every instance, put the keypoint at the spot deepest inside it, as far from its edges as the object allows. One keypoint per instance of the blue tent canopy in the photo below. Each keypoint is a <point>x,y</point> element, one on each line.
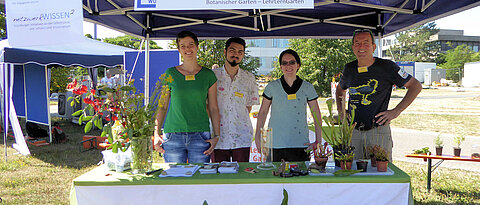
<point>328,19</point>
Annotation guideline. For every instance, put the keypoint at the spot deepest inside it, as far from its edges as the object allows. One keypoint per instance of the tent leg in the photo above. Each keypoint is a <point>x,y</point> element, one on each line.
<point>147,62</point>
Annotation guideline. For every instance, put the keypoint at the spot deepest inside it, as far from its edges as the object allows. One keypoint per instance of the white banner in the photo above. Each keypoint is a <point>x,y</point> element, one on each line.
<point>40,22</point>
<point>149,5</point>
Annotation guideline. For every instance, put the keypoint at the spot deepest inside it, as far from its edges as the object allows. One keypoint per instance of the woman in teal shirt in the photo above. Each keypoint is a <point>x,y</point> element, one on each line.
<point>187,130</point>
<point>288,97</point>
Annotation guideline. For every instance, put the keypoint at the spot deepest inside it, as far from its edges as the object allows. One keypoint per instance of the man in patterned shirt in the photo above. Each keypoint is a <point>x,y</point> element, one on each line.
<point>236,93</point>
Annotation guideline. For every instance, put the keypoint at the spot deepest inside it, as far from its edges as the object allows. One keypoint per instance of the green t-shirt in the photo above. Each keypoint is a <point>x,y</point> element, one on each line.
<point>188,102</point>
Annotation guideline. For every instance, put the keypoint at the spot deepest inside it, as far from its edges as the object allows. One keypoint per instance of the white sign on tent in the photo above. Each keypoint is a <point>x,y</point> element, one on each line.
<point>149,5</point>
<point>40,22</point>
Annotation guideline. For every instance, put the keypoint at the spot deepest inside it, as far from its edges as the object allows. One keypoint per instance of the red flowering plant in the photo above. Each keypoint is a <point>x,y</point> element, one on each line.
<point>123,108</point>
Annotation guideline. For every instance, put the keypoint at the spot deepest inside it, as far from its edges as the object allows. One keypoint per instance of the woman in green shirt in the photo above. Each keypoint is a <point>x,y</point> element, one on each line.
<point>192,91</point>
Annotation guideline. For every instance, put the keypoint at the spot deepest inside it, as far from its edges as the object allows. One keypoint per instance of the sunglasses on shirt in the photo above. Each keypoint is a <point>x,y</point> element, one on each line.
<point>292,62</point>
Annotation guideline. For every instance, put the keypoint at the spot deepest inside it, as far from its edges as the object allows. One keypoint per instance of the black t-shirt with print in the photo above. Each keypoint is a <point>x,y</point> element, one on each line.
<point>370,88</point>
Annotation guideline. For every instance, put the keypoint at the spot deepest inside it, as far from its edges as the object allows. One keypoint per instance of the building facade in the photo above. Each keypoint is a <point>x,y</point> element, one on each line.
<point>267,50</point>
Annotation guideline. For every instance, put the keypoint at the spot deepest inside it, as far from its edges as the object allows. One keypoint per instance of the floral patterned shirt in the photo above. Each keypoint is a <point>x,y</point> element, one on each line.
<point>236,129</point>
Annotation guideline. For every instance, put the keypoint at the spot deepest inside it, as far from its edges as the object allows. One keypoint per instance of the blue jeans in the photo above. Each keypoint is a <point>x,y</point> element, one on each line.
<point>180,146</point>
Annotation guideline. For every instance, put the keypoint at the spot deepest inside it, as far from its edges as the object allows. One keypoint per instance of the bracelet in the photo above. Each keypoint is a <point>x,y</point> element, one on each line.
<point>215,136</point>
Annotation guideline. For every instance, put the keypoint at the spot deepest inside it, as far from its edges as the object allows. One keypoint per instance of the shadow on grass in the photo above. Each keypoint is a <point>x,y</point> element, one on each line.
<point>462,196</point>
<point>69,154</point>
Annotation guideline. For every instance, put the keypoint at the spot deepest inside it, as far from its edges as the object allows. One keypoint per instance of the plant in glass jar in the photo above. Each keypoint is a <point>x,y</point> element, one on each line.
<point>130,121</point>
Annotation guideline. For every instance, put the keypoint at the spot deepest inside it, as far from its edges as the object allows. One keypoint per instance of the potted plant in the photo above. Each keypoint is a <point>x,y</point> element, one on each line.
<point>340,137</point>
<point>458,139</point>
<point>130,121</point>
<point>345,160</point>
<point>320,154</point>
<point>372,149</point>
<point>424,151</point>
<point>438,145</point>
<point>381,155</point>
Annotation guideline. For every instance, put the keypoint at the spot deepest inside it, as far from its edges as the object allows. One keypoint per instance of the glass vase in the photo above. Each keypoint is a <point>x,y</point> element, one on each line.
<point>266,143</point>
<point>141,154</point>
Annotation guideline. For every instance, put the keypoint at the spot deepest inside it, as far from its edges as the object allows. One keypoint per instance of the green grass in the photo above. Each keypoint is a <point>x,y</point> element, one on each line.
<point>449,186</point>
<point>468,124</point>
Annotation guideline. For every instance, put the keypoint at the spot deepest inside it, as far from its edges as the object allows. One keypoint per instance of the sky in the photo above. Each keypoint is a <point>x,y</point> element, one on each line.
<point>467,20</point>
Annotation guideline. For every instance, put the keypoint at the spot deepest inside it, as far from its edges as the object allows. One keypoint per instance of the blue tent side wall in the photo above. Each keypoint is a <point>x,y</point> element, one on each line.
<point>18,96</point>
<point>36,88</point>
<point>160,60</point>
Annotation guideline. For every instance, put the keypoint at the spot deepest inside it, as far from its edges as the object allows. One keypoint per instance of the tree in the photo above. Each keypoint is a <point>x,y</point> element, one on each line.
<point>415,44</point>
<point>130,42</point>
<point>59,78</point>
<point>3,28</point>
<point>321,59</point>
<point>211,52</point>
<point>456,58</point>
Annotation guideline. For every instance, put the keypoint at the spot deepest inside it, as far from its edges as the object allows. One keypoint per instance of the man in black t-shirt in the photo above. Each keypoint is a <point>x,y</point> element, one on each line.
<point>369,81</point>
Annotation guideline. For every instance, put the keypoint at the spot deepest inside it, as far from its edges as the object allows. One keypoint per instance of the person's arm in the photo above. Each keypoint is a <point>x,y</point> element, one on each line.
<point>262,116</point>
<point>159,119</point>
<point>340,100</point>
<point>215,116</point>
<point>413,89</point>
<point>313,104</point>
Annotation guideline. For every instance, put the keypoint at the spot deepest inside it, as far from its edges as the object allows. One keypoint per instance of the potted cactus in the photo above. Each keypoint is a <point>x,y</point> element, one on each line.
<point>438,145</point>
<point>320,154</point>
<point>458,139</point>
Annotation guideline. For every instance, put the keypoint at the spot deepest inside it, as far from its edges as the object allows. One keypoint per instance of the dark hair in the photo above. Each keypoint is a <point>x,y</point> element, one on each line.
<point>291,52</point>
<point>184,34</point>
<point>235,40</point>
<point>357,31</point>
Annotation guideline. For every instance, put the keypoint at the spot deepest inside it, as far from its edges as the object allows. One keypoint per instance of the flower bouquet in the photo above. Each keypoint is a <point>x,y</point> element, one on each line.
<point>130,117</point>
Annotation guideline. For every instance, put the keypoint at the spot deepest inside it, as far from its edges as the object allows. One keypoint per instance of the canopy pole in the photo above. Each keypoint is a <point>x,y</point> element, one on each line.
<point>379,35</point>
<point>147,61</point>
<point>6,104</point>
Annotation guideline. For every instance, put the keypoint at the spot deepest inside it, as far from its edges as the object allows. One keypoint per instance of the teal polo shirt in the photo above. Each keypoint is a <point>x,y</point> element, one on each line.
<point>288,118</point>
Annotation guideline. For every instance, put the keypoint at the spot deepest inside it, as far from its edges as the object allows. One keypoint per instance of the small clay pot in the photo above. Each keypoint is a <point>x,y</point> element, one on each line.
<point>362,165</point>
<point>456,151</point>
<point>321,162</point>
<point>438,151</point>
<point>345,165</point>
<point>382,166</point>
<point>373,160</point>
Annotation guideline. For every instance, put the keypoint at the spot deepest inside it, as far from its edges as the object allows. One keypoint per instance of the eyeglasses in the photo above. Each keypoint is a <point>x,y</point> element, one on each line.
<point>363,31</point>
<point>292,62</point>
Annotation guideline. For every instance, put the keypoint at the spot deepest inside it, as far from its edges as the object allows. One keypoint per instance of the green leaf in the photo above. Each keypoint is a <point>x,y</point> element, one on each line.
<point>87,118</point>
<point>285,197</point>
<point>69,98</point>
<point>115,147</point>
<point>80,120</point>
<point>77,100</point>
<point>77,113</point>
<point>88,127</point>
<point>72,103</point>
<point>109,90</point>
<point>104,134</point>
<point>127,88</point>
<point>99,123</point>
<point>205,202</point>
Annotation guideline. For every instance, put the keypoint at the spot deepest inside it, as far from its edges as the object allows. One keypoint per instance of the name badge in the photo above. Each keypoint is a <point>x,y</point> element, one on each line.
<point>190,77</point>
<point>240,95</point>
<point>292,96</point>
<point>362,69</point>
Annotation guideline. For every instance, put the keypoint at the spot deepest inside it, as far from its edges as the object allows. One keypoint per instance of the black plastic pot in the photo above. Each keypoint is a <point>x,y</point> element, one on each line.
<point>456,151</point>
<point>438,151</point>
<point>362,165</point>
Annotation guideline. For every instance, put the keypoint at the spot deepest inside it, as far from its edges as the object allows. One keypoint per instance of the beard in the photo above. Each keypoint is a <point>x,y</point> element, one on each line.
<point>233,63</point>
